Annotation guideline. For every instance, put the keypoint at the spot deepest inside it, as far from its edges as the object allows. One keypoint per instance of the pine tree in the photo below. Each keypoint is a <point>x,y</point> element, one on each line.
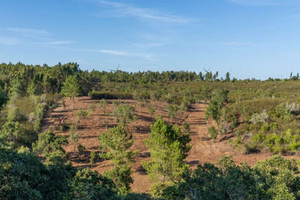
<point>116,143</point>
<point>227,79</point>
<point>71,87</point>
<point>169,147</point>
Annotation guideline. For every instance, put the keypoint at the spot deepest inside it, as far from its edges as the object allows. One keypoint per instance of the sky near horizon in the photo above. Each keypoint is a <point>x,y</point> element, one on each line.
<point>248,38</point>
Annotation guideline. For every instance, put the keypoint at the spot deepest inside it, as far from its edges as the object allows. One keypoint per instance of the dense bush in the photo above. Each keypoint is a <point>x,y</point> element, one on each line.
<point>271,179</point>
<point>109,95</point>
<point>88,184</point>
<point>23,176</point>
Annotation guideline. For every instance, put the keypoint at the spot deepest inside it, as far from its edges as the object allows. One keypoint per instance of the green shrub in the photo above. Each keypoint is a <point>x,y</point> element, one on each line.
<point>109,95</point>
<point>213,132</point>
<point>141,95</point>
<point>274,143</point>
<point>186,128</point>
<point>156,95</point>
<point>81,149</point>
<point>258,138</point>
<point>92,157</point>
<point>82,114</point>
<point>92,107</point>
<point>152,110</point>
<point>124,113</point>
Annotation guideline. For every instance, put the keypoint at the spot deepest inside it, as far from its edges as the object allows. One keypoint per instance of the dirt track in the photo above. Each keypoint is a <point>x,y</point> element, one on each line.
<point>203,148</point>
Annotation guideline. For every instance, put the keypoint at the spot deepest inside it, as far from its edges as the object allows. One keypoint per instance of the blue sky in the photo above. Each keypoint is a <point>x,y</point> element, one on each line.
<point>249,38</point>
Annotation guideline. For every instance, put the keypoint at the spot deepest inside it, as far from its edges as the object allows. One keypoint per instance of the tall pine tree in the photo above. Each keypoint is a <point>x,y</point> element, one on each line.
<point>169,147</point>
<point>116,144</point>
<point>71,87</point>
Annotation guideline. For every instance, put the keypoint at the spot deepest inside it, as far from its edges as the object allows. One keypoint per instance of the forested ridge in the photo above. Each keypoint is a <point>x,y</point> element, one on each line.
<point>257,116</point>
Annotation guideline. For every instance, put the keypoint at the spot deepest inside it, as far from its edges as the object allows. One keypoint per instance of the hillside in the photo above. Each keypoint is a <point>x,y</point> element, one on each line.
<point>204,149</point>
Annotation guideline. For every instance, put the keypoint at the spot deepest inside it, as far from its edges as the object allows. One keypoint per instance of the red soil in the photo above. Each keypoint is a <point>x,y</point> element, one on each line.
<point>203,148</point>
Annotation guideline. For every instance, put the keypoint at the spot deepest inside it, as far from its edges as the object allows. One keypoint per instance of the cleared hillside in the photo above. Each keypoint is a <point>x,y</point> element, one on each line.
<point>204,149</point>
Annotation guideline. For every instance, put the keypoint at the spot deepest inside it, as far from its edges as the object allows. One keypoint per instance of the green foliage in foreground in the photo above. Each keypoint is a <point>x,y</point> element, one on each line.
<point>23,176</point>
<point>88,185</point>
<point>271,179</point>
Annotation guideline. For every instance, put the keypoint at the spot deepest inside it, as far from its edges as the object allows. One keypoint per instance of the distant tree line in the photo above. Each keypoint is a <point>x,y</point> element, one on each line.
<point>45,79</point>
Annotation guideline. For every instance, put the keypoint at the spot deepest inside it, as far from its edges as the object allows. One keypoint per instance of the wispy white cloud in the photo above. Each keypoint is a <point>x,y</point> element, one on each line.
<point>265,2</point>
<point>114,52</point>
<point>30,36</point>
<point>39,34</point>
<point>111,52</point>
<point>59,42</point>
<point>124,53</point>
<point>143,13</point>
<point>9,41</point>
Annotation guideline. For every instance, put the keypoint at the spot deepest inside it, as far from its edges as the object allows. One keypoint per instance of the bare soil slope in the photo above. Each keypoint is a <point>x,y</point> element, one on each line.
<point>203,148</point>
